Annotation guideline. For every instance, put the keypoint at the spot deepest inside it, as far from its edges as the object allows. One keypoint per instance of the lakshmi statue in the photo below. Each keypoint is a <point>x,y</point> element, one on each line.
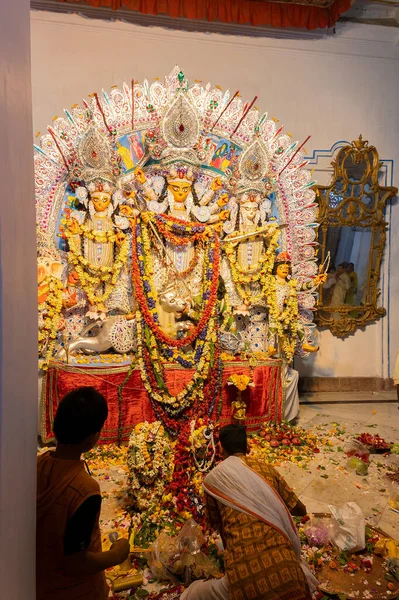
<point>285,327</point>
<point>249,257</point>
<point>99,248</point>
<point>97,237</point>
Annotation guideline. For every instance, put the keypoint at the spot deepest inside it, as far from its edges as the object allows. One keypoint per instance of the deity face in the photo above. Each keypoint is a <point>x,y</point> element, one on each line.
<point>249,210</point>
<point>283,270</point>
<point>180,189</point>
<point>101,200</point>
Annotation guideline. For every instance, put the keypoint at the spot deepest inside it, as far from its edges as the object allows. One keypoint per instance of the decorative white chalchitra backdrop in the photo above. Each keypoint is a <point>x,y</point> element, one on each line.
<point>218,132</point>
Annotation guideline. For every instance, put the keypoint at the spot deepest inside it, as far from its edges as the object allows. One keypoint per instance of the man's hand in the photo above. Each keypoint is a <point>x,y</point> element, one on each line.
<point>299,509</point>
<point>120,550</point>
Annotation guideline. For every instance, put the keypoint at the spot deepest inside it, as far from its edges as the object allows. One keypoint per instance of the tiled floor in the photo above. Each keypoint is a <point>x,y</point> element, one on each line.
<point>372,492</point>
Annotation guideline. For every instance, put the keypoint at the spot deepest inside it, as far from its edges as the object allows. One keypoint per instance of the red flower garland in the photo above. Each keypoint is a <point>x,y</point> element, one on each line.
<point>141,298</point>
<point>181,485</point>
<point>180,240</point>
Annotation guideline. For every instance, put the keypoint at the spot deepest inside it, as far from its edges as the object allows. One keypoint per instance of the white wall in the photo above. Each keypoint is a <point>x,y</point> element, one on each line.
<point>18,309</point>
<point>332,88</point>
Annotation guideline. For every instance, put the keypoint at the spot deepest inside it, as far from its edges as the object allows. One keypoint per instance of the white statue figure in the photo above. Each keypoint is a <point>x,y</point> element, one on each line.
<point>249,256</point>
<point>286,330</point>
<point>99,248</point>
<point>179,198</point>
<point>181,264</point>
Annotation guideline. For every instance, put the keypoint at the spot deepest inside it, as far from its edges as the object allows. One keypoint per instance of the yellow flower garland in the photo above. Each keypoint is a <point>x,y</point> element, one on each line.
<point>286,322</point>
<point>201,372</point>
<point>48,332</point>
<point>194,386</point>
<point>241,382</point>
<point>150,462</point>
<point>257,274</point>
<point>91,276</point>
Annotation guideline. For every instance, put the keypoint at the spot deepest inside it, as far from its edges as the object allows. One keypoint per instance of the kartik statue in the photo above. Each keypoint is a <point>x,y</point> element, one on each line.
<point>286,331</point>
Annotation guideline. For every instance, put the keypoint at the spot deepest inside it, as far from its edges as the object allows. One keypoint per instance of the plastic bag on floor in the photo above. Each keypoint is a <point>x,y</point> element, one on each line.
<point>180,558</point>
<point>318,531</point>
<point>358,450</point>
<point>357,465</point>
<point>393,489</point>
<point>349,529</point>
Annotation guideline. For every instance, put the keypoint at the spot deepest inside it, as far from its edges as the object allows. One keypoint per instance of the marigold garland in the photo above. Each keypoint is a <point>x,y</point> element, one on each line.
<point>155,347</point>
<point>52,310</point>
<point>150,462</point>
<point>202,406</point>
<point>193,262</point>
<point>175,230</point>
<point>186,484</point>
<point>91,276</point>
<point>259,273</point>
<point>146,295</point>
<point>152,372</point>
<point>241,382</point>
<point>286,321</point>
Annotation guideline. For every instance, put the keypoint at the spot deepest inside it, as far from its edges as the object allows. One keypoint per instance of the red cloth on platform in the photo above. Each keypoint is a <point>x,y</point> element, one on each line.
<point>264,401</point>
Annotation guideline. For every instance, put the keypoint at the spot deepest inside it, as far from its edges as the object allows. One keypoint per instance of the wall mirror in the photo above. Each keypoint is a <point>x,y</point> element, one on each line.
<point>352,238</point>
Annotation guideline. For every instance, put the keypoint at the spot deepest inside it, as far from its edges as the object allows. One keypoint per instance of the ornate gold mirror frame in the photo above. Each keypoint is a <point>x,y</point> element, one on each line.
<point>352,236</point>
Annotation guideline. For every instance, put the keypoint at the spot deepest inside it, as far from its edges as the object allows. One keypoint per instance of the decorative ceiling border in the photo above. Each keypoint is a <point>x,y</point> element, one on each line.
<point>178,24</point>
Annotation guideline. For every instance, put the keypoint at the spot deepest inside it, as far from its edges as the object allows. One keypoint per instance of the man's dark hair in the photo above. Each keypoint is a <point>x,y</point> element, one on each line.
<point>80,413</point>
<point>233,439</point>
<point>344,265</point>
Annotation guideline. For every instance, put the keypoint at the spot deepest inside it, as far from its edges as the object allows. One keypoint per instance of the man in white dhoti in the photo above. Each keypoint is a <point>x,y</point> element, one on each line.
<point>249,503</point>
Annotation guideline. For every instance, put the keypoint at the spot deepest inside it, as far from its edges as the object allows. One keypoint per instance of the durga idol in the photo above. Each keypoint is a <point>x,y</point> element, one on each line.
<point>179,197</point>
